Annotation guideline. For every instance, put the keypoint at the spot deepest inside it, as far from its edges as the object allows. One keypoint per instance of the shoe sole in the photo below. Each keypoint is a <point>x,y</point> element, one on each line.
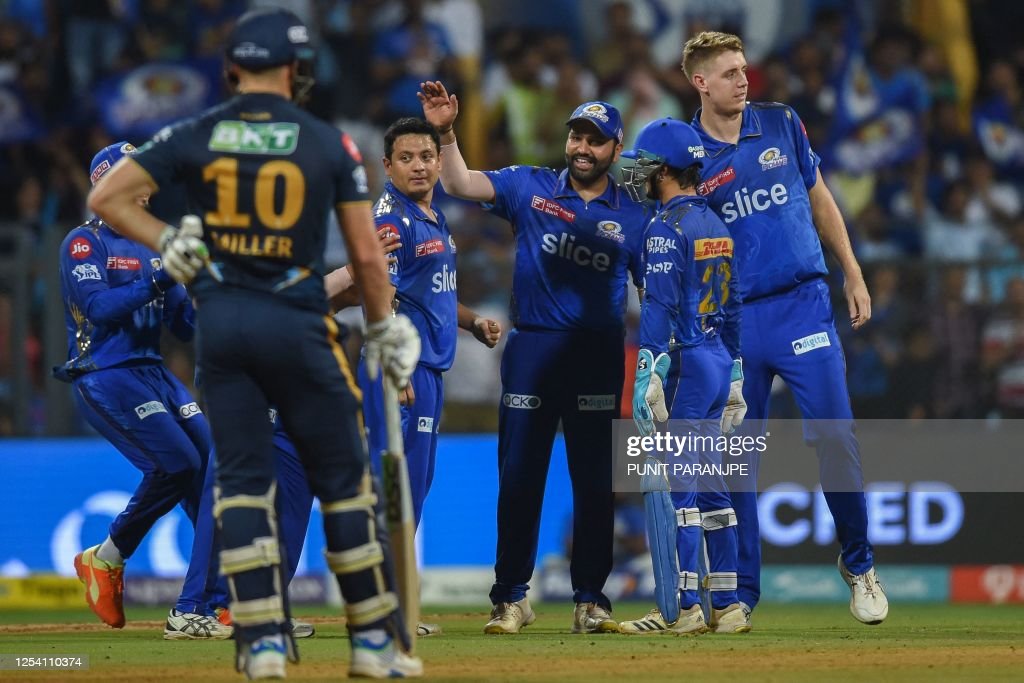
<point>497,630</point>
<point>607,627</point>
<point>359,672</point>
<point>179,635</point>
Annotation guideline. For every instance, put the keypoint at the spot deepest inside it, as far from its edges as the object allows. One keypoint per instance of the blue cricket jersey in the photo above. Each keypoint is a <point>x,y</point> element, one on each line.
<point>690,282</point>
<point>424,275</point>
<point>759,186</point>
<point>571,256</point>
<point>113,308</point>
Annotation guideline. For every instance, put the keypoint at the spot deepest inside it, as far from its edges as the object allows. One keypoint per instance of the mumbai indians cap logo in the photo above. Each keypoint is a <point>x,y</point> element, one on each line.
<point>595,111</point>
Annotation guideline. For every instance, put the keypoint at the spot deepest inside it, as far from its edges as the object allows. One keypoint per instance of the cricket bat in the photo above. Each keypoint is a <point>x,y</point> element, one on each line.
<point>399,514</point>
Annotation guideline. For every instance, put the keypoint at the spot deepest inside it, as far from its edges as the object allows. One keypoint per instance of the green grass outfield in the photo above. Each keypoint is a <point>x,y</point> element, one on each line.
<point>789,643</point>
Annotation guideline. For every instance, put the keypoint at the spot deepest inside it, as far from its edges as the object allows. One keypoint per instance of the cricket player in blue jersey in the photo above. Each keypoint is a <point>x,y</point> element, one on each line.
<point>761,176</point>
<point>689,357</point>
<point>116,298</point>
<point>578,236</point>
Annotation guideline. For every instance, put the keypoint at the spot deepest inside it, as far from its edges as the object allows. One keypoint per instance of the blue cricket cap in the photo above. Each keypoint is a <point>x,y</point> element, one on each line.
<point>265,38</point>
<point>668,141</point>
<point>601,114</point>
<point>107,157</point>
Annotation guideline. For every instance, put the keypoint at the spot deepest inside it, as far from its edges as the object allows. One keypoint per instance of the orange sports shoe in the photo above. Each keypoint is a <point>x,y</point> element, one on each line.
<point>223,615</point>
<point>104,586</point>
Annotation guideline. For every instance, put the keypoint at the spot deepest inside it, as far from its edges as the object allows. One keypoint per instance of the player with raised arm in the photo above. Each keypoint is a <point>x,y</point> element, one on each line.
<point>689,359</point>
<point>761,176</point>
<point>577,237</point>
<point>264,174</point>
<point>116,299</point>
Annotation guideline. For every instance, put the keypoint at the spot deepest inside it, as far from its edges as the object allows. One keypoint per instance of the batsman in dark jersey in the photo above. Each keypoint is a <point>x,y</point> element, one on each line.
<point>263,175</point>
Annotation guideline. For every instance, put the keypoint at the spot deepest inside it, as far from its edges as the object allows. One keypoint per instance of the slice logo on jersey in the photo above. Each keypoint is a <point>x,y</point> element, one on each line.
<point>565,246</point>
<point>552,209</point>
<point>818,340</point>
<point>611,230</point>
<point>747,202</point>
<point>434,246</point>
<point>350,147</point>
<point>79,248</point>
<point>189,410</point>
<point>425,424</point>
<point>772,158</point>
<point>660,245</point>
<point>443,280</point>
<point>587,402</point>
<point>243,137</point>
<point>524,401</point>
<point>151,408</point>
<point>712,247</point>
<point>716,181</point>
<point>123,263</point>
<point>86,271</point>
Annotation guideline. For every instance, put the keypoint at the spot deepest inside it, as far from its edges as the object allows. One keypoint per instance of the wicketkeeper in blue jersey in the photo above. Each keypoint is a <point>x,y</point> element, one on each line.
<point>689,360</point>
<point>578,236</point>
<point>761,176</point>
<point>116,298</point>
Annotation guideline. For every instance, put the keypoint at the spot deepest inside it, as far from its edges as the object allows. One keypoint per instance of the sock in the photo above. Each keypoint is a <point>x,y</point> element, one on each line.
<point>109,553</point>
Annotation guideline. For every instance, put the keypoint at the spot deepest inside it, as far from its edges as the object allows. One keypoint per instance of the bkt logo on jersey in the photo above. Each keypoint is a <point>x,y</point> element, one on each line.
<point>524,401</point>
<point>565,246</point>
<point>242,137</point>
<point>444,280</point>
<point>751,202</point>
<point>660,245</point>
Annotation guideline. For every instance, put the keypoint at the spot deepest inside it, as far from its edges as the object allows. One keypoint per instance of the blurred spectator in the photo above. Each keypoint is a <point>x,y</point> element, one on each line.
<point>526,108</point>
<point>1003,351</point>
<point>95,35</point>
<point>160,30</point>
<point>953,237</point>
<point>999,118</point>
<point>991,202</point>
<point>210,22</point>
<point>1012,267</point>
<point>872,239</point>
<point>912,388</point>
<point>641,99</point>
<point>948,147</point>
<point>954,327</point>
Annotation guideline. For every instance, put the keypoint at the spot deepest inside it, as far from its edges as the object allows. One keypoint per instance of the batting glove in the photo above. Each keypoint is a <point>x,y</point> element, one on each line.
<point>182,250</point>
<point>394,345</point>
<point>648,391</point>
<point>735,407</point>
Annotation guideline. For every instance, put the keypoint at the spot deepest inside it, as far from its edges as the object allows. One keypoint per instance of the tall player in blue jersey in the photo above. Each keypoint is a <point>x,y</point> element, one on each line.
<point>689,358</point>
<point>577,237</point>
<point>116,299</point>
<point>761,176</point>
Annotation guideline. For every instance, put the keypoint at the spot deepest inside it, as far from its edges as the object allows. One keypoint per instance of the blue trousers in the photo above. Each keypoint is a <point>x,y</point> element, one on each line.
<point>419,427</point>
<point>546,376</point>
<point>773,338</point>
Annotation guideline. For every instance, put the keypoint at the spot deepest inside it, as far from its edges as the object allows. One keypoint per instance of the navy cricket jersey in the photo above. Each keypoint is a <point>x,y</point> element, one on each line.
<point>571,255</point>
<point>113,309</point>
<point>759,188</point>
<point>690,282</point>
<point>424,275</point>
<point>263,175</point>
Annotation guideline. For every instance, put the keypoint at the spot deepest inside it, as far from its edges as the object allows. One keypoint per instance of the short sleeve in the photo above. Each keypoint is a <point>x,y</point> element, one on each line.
<point>350,184</point>
<point>394,224</point>
<point>807,160</point>
<point>508,185</point>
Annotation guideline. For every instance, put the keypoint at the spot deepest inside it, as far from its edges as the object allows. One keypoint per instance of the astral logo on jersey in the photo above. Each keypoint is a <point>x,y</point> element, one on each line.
<point>80,248</point>
<point>712,247</point>
<point>660,245</point>
<point>587,402</point>
<point>151,408</point>
<point>810,342</point>
<point>86,271</point>
<point>444,280</point>
<point>425,424</point>
<point>243,137</point>
<point>524,401</point>
<point>772,158</point>
<point>565,246</point>
<point>189,410</point>
<point>751,202</point>
<point>552,208</point>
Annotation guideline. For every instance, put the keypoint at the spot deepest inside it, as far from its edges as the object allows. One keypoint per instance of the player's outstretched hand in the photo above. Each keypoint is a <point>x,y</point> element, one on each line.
<point>648,391</point>
<point>390,242</point>
<point>735,405</point>
<point>487,331</point>
<point>392,344</point>
<point>858,300</point>
<point>439,108</point>
<point>182,251</point>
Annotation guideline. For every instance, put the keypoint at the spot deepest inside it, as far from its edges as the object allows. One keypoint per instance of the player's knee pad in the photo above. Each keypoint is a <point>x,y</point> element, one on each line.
<point>715,520</point>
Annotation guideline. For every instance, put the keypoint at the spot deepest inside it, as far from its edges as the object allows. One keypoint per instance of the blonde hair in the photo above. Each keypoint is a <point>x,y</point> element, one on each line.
<point>707,45</point>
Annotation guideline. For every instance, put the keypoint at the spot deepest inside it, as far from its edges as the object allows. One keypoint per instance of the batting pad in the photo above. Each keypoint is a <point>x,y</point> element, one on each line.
<point>661,536</point>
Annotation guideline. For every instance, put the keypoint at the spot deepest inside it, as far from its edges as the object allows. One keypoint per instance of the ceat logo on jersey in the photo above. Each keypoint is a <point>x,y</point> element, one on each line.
<point>716,181</point>
<point>80,248</point>
<point>565,246</point>
<point>444,280</point>
<point>611,230</point>
<point>712,247</point>
<point>772,158</point>
<point>747,203</point>
<point>524,401</point>
<point>552,208</point>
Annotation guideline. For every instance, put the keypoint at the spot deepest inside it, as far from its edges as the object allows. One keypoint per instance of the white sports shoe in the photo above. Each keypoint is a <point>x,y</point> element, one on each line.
<point>868,603</point>
<point>423,630</point>
<point>690,622</point>
<point>190,626</point>
<point>730,619</point>
<point>510,617</point>
<point>375,655</point>
<point>263,659</point>
<point>589,617</point>
<point>301,629</point>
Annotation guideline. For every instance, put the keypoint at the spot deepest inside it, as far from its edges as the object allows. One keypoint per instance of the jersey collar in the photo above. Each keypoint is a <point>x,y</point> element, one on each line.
<point>684,199</point>
<point>750,127</point>
<point>564,190</point>
<point>411,205</point>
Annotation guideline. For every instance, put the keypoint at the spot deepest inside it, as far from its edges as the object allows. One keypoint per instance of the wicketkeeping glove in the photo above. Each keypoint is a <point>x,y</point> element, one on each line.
<point>735,407</point>
<point>182,250</point>
<point>649,392</point>
<point>394,345</point>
